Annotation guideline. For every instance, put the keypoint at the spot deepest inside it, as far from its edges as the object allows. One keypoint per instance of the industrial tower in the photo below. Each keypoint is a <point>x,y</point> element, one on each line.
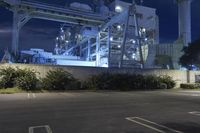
<point>184,19</point>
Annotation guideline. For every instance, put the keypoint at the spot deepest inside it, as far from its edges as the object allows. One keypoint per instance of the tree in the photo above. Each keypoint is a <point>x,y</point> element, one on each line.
<point>191,55</point>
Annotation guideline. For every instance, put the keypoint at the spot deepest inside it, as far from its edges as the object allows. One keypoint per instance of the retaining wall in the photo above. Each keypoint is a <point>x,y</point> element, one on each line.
<point>82,73</point>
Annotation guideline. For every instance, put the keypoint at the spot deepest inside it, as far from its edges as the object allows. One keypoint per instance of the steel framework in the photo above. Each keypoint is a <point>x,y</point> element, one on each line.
<point>120,40</point>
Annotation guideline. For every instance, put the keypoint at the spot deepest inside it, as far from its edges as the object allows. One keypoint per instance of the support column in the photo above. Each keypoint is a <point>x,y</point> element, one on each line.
<point>109,45</point>
<point>184,16</point>
<point>19,20</point>
<point>89,50</point>
<point>15,33</point>
<point>97,49</point>
<point>138,36</point>
<point>80,52</point>
<point>124,40</point>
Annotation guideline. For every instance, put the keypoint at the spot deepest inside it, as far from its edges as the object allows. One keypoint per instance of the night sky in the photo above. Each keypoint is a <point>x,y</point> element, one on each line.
<point>41,33</point>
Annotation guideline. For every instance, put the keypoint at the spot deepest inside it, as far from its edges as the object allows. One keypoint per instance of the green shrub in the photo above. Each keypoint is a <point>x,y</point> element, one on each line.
<point>126,82</point>
<point>170,83</point>
<point>58,79</point>
<point>26,80</point>
<point>74,85</point>
<point>190,86</point>
<point>22,78</point>
<point>151,82</point>
<point>7,77</point>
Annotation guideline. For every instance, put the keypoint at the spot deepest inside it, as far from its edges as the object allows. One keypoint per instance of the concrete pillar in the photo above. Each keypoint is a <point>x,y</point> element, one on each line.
<point>184,17</point>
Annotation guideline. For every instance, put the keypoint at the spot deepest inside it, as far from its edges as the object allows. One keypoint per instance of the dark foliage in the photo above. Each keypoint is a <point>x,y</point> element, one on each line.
<point>23,78</point>
<point>7,77</point>
<point>126,82</point>
<point>190,86</point>
<point>191,55</point>
<point>26,80</point>
<point>168,81</point>
<point>58,79</point>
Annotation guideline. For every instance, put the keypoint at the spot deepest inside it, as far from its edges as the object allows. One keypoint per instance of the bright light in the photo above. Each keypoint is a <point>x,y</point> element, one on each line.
<point>57,38</point>
<point>143,30</point>
<point>105,65</point>
<point>61,29</point>
<point>119,46</point>
<point>118,9</point>
<point>133,55</point>
<point>133,41</point>
<point>67,41</point>
<point>111,38</point>
<point>146,39</point>
<point>119,27</point>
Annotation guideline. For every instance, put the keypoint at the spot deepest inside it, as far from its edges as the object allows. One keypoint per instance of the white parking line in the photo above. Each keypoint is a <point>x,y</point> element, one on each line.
<point>31,95</point>
<point>46,127</point>
<point>34,96</point>
<point>195,113</point>
<point>28,96</point>
<point>152,125</point>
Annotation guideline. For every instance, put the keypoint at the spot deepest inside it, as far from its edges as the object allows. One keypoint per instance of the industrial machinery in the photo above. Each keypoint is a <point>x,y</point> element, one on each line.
<point>115,34</point>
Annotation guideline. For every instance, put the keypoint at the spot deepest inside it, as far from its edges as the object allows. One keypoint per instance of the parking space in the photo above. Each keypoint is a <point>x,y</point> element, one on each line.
<point>151,125</point>
<point>100,112</point>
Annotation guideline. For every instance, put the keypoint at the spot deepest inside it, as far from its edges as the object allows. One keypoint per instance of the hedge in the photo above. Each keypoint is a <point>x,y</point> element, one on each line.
<point>126,82</point>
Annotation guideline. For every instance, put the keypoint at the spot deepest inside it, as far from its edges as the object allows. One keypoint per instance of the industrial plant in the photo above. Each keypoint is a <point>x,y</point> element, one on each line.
<point>110,34</point>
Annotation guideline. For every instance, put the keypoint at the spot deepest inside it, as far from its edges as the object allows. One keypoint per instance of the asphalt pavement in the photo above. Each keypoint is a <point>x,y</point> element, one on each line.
<point>101,112</point>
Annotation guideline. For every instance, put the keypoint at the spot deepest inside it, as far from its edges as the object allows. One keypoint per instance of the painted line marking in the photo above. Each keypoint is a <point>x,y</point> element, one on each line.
<point>146,123</point>
<point>46,127</point>
<point>31,95</point>
<point>195,95</point>
<point>28,96</point>
<point>34,96</point>
<point>195,113</point>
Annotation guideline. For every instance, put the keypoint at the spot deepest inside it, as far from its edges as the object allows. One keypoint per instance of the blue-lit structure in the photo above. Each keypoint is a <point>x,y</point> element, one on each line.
<point>118,34</point>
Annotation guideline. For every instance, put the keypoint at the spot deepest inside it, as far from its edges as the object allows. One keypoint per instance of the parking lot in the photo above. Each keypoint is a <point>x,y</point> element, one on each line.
<point>101,112</point>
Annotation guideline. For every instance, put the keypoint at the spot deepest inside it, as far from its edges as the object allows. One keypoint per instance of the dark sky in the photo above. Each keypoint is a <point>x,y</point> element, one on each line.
<point>41,34</point>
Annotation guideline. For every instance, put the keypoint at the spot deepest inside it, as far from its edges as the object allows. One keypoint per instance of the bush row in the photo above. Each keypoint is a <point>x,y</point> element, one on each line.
<point>26,79</point>
<point>190,86</point>
<point>126,82</point>
<point>22,78</point>
<point>62,80</point>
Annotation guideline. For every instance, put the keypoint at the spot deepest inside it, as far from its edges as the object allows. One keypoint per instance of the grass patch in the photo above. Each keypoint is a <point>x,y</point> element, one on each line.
<point>18,90</point>
<point>11,91</point>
